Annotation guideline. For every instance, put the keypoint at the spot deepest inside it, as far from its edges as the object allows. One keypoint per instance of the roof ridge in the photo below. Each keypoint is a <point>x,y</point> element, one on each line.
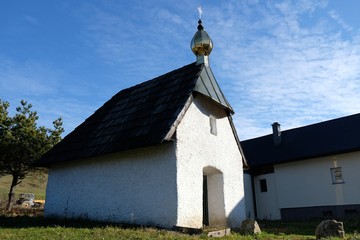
<point>156,78</point>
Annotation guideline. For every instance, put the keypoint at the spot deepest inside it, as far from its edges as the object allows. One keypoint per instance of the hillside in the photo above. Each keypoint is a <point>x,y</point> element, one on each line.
<point>32,184</point>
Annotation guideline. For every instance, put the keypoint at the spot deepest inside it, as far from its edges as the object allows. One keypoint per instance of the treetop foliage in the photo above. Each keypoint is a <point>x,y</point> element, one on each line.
<point>22,141</point>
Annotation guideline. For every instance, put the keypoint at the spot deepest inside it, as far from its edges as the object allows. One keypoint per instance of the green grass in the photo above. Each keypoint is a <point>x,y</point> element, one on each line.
<point>30,224</point>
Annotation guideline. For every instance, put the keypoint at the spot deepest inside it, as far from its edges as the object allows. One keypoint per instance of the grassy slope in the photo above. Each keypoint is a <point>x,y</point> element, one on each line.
<point>32,184</point>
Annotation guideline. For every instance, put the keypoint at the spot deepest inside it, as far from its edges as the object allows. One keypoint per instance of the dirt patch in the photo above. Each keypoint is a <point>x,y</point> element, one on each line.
<point>20,212</point>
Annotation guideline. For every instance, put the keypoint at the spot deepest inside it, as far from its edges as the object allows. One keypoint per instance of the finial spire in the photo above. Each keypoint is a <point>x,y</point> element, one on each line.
<point>201,44</point>
<point>200,26</point>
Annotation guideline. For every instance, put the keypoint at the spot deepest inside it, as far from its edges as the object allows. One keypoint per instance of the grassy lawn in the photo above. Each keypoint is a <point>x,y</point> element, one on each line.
<point>30,224</point>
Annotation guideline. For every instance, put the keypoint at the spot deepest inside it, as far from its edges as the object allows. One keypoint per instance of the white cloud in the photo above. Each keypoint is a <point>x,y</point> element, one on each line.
<point>42,85</point>
<point>279,69</point>
<point>28,78</point>
<point>276,61</point>
<point>136,42</point>
<point>295,62</point>
<point>31,19</point>
<point>340,21</point>
<point>72,111</point>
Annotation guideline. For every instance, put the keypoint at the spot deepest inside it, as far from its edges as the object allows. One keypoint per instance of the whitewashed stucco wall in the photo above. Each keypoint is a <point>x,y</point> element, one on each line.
<point>197,149</point>
<point>135,187</point>
<point>299,183</point>
<point>160,185</point>
<point>267,202</point>
<point>308,183</point>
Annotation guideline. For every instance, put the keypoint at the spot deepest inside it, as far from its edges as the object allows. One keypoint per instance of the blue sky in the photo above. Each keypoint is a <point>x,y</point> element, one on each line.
<point>294,62</point>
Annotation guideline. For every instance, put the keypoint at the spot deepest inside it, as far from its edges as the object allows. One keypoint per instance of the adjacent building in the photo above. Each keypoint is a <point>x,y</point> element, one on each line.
<point>306,172</point>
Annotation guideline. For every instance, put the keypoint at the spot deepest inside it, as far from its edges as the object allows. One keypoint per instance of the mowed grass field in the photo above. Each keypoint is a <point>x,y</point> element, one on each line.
<point>30,224</point>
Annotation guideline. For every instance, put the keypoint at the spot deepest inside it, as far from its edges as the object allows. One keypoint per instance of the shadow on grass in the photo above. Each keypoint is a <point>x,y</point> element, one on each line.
<point>29,218</point>
<point>40,221</point>
<point>305,227</point>
<point>282,227</point>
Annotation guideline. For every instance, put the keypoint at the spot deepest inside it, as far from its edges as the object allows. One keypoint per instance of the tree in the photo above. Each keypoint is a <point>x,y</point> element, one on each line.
<point>22,142</point>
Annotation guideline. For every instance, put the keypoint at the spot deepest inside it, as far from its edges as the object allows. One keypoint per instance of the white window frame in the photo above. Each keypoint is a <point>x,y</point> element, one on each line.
<point>337,175</point>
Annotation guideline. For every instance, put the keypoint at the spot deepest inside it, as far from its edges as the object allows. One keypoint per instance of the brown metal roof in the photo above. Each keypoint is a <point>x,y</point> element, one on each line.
<point>143,115</point>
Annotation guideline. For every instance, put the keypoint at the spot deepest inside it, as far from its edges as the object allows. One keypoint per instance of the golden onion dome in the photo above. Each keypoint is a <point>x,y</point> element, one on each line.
<point>201,43</point>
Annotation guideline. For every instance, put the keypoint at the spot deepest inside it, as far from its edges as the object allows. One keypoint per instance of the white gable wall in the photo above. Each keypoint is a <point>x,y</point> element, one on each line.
<point>134,187</point>
<point>199,152</point>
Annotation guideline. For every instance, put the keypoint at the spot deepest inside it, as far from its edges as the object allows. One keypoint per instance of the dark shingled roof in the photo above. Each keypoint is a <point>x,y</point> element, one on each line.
<point>322,139</point>
<point>143,115</point>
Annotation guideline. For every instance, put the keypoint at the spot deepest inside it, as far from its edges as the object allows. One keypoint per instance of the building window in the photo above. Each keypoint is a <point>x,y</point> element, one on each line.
<point>213,129</point>
<point>336,175</point>
<point>263,185</point>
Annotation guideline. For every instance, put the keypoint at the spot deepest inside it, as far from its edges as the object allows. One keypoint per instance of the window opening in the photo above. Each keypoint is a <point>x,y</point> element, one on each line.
<point>263,185</point>
<point>213,129</point>
<point>205,202</point>
<point>336,175</point>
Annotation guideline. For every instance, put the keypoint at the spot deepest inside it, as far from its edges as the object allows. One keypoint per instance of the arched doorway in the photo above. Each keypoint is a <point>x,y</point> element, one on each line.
<point>213,197</point>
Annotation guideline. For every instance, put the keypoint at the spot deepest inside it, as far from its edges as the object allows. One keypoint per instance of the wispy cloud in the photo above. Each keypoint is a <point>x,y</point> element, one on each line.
<point>295,62</point>
<point>42,85</point>
<point>279,69</point>
<point>72,110</point>
<point>339,20</point>
<point>136,41</point>
<point>31,19</point>
<point>276,61</point>
<point>29,78</point>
